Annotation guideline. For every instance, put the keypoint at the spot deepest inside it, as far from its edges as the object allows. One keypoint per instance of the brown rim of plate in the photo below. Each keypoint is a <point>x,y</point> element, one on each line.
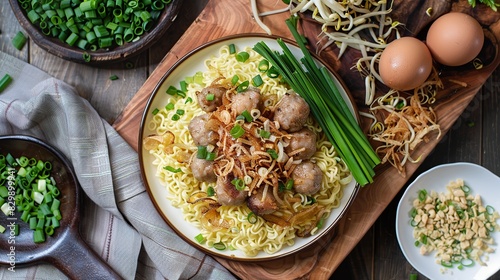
<point>99,57</point>
<point>154,200</point>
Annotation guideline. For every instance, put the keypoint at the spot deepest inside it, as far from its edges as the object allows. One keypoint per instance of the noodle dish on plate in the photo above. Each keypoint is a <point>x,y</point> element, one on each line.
<point>234,161</point>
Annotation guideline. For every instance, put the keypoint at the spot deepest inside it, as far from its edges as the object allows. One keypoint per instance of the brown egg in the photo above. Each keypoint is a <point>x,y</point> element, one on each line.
<point>405,64</point>
<point>455,39</point>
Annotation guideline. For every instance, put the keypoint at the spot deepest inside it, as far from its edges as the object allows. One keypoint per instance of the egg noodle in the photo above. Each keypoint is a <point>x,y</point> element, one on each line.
<point>236,232</point>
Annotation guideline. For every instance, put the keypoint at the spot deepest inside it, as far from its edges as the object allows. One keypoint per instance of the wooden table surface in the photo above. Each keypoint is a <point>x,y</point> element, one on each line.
<point>472,138</point>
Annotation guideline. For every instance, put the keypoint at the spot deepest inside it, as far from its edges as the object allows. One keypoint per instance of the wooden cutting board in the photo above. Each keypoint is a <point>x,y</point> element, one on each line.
<point>227,17</point>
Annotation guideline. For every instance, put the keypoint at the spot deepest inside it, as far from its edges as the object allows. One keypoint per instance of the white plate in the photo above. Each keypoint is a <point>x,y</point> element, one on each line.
<point>188,66</point>
<point>482,182</point>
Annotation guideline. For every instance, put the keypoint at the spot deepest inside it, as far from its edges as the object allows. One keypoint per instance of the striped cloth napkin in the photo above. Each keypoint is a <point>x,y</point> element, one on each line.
<point>119,222</point>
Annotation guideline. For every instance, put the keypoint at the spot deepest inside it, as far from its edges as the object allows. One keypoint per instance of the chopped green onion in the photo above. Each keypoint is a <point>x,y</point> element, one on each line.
<point>19,40</point>
<point>257,81</point>
<point>243,86</point>
<point>210,191</point>
<point>155,111</point>
<point>2,229</point>
<point>6,209</point>
<point>172,169</point>
<point>246,116</point>
<point>423,239</point>
<point>199,238</point>
<point>264,134</point>
<point>72,38</point>
<point>237,131</point>
<point>422,194</point>
<point>176,117</point>
<point>113,77</point>
<point>272,153</point>
<point>413,276</point>
<point>4,192</point>
<point>33,222</point>
<point>86,57</point>
<point>235,79</point>
<point>242,56</point>
<point>39,236</point>
<point>289,184</point>
<point>252,218</point>
<point>172,90</point>
<point>198,78</point>
<point>170,106</point>
<point>465,189</point>
<point>5,81</point>
<point>180,112</point>
<point>183,85</point>
<point>38,197</point>
<point>263,65</point>
<point>211,156</point>
<point>232,49</point>
<point>210,97</point>
<point>238,184</point>
<point>273,72</point>
<point>49,230</point>
<point>220,246</point>
<point>181,93</point>
<point>446,264</point>
<point>201,152</point>
<point>467,262</point>
<point>413,212</point>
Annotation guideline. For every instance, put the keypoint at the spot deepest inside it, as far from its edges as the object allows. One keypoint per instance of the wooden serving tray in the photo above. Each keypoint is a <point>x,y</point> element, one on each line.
<point>228,17</point>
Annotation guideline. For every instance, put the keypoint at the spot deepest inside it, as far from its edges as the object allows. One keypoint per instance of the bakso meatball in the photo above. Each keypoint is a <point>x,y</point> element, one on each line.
<point>307,178</point>
<point>200,134</point>
<point>262,206</point>
<point>302,139</point>
<point>210,97</point>
<point>246,100</point>
<point>291,112</point>
<point>226,192</point>
<point>203,170</point>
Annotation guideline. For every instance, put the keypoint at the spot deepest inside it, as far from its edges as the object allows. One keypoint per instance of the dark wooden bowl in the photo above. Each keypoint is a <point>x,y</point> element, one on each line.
<point>119,53</point>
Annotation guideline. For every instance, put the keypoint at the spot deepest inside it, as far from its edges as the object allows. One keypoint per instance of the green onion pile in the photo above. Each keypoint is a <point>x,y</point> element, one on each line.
<point>328,107</point>
<point>94,24</point>
<point>26,185</point>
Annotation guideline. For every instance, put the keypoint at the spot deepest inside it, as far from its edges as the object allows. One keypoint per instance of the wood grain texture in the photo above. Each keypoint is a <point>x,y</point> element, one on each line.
<point>320,260</point>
